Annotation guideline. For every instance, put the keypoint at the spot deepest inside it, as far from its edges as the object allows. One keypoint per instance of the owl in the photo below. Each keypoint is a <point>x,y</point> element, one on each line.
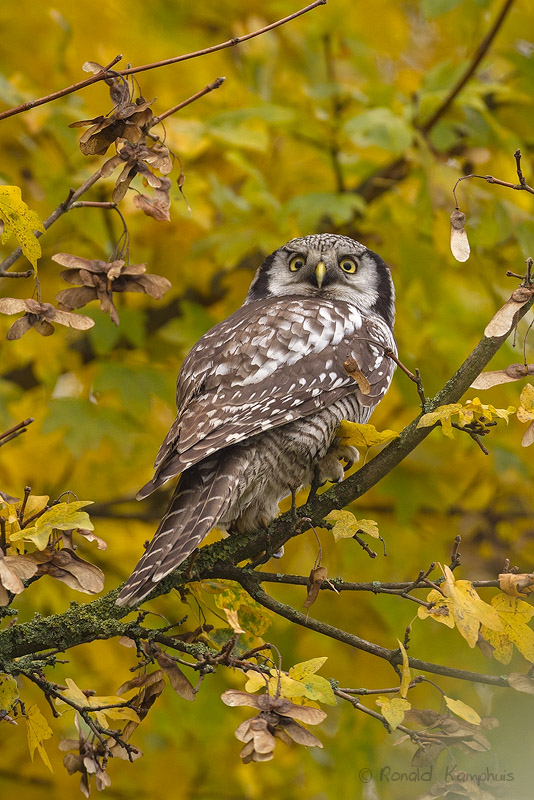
<point>261,395</point>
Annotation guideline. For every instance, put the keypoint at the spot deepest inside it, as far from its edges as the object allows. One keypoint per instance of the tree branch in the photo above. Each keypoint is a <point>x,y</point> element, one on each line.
<point>103,74</point>
<point>393,656</point>
<point>100,619</point>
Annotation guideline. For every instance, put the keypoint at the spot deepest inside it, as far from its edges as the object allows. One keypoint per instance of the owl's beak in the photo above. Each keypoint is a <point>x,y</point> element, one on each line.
<point>320,272</point>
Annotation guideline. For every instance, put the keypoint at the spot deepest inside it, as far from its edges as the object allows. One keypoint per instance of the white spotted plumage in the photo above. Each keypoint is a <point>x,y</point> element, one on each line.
<point>260,396</point>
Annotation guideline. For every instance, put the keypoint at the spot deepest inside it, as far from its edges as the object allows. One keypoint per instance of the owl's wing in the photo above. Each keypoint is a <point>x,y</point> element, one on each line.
<point>268,364</point>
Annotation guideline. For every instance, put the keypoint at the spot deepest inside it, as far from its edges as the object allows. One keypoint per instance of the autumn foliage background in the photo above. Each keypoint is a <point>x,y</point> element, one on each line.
<point>307,115</point>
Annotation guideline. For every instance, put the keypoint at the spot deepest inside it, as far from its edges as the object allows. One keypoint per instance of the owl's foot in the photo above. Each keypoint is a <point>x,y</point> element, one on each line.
<point>330,467</point>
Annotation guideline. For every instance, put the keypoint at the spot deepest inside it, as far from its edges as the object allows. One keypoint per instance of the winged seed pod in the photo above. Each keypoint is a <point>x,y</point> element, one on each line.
<point>514,372</point>
<point>459,241</point>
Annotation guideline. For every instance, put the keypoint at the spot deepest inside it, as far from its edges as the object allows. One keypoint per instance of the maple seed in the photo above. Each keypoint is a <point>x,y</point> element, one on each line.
<point>40,316</point>
<point>459,241</point>
<point>352,368</point>
<point>99,279</point>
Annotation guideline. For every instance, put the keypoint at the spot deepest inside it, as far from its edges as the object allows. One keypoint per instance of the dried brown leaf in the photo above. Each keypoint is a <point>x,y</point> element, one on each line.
<point>516,585</point>
<point>316,578</point>
<point>19,328</point>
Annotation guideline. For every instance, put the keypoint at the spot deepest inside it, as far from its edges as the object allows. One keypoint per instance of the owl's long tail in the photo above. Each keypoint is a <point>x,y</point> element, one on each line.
<point>201,498</point>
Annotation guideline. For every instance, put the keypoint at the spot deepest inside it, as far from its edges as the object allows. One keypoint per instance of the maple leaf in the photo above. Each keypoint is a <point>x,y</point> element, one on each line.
<point>346,525</point>
<point>21,221</point>
<point>525,413</point>
<point>462,710</point>
<point>357,434</point>
<point>515,615</point>
<point>63,516</point>
<point>393,709</point>
<point>460,605</point>
<point>38,731</point>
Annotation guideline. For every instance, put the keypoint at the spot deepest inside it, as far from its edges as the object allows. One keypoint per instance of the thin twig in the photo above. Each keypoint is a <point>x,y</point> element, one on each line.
<point>209,88</point>
<point>100,76</point>
<point>392,656</point>
<point>16,430</point>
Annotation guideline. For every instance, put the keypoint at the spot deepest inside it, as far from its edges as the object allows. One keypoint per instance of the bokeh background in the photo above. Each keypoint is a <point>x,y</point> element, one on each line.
<point>319,126</point>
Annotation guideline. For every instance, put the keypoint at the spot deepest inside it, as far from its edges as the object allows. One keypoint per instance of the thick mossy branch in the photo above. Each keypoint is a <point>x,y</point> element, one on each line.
<point>101,619</point>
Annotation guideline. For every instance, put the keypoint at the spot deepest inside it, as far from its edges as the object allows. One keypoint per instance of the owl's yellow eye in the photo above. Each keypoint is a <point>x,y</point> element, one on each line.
<point>296,263</point>
<point>347,265</point>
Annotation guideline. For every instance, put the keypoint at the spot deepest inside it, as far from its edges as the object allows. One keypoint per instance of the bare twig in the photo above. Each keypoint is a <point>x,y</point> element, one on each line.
<point>100,76</point>
<point>16,430</point>
<point>393,656</point>
<point>209,88</point>
<point>519,187</point>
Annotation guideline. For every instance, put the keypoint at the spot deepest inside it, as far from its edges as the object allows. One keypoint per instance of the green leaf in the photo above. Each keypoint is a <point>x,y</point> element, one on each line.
<point>21,221</point>
<point>313,207</point>
<point>434,8</point>
<point>380,127</point>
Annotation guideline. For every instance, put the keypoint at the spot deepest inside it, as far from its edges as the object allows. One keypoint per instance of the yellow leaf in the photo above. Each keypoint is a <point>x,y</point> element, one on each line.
<point>305,668</point>
<point>38,731</point>
<point>393,710</point>
<point>441,610</point>
<point>462,710</point>
<point>525,412</point>
<point>288,687</point>
<point>319,688</point>
<point>346,525</point>
<point>255,681</point>
<point>514,615</point>
<point>406,674</point>
<point>472,410</point>
<point>91,703</point>
<point>9,692</point>
<point>356,434</point>
<point>468,609</point>
<point>63,516</point>
<point>21,221</point>
<point>441,413</point>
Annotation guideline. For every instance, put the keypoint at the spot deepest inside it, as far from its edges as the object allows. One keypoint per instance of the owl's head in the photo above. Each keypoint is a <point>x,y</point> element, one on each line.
<point>330,266</point>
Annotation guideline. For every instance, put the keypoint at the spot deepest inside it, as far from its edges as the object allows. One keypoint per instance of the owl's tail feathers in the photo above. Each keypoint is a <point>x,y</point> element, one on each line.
<point>201,498</point>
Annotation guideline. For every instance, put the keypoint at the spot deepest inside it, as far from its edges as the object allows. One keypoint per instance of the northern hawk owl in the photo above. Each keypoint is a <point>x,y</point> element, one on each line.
<point>261,394</point>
